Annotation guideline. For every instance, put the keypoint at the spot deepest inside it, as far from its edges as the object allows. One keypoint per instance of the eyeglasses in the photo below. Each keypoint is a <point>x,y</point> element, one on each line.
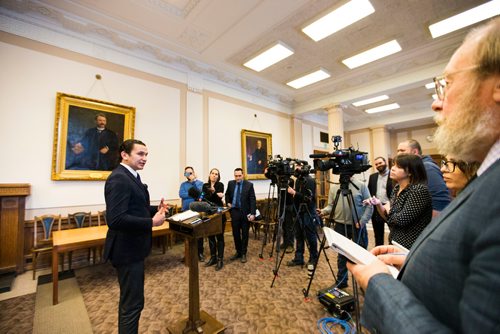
<point>448,165</point>
<point>440,82</point>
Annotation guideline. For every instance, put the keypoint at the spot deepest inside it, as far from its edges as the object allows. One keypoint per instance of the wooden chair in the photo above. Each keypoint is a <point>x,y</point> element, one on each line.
<point>43,243</point>
<point>102,220</point>
<point>79,220</point>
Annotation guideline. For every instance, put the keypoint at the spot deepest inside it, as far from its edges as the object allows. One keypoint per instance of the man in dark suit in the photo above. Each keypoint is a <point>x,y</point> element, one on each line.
<point>450,281</point>
<point>240,197</point>
<point>98,148</point>
<point>130,220</point>
<point>380,186</point>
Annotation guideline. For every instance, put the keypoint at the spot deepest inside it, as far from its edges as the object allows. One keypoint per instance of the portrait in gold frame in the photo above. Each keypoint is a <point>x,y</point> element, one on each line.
<point>81,149</point>
<point>256,147</point>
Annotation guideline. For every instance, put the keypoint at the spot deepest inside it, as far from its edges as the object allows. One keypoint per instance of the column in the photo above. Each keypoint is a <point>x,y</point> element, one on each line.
<point>381,145</point>
<point>335,123</point>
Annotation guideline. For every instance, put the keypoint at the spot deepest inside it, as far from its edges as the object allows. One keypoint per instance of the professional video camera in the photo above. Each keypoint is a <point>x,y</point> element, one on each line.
<point>342,161</point>
<point>279,170</point>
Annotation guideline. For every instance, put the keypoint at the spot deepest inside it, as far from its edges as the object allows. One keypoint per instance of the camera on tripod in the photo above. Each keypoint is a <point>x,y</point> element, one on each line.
<point>279,169</point>
<point>342,161</point>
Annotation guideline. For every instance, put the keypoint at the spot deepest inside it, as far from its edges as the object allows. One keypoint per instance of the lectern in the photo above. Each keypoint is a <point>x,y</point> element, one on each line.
<point>192,229</point>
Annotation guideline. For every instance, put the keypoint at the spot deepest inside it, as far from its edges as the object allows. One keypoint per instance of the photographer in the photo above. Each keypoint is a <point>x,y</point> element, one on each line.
<point>304,199</point>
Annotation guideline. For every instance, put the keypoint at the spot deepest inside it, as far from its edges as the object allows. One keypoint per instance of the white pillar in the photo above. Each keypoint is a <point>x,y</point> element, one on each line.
<point>381,144</point>
<point>335,123</point>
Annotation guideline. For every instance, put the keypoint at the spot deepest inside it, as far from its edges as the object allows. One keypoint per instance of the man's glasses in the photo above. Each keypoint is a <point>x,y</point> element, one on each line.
<point>448,165</point>
<point>440,82</point>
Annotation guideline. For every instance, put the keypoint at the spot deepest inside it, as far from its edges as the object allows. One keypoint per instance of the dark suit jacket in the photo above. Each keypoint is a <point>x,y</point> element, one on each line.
<point>450,282</point>
<point>248,201</point>
<point>128,215</point>
<point>372,185</point>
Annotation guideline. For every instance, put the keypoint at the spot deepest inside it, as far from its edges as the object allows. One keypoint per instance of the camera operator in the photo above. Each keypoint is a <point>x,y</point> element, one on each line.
<point>343,218</point>
<point>304,200</point>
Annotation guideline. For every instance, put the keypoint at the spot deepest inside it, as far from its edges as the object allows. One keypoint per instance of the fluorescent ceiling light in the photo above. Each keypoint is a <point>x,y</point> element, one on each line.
<point>270,56</point>
<point>376,53</point>
<point>430,85</point>
<point>338,19</point>
<point>434,97</point>
<point>369,101</point>
<point>309,79</point>
<point>383,108</point>
<point>465,19</point>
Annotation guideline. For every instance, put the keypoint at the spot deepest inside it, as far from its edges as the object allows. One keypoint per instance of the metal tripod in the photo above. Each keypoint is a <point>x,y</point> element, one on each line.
<point>347,193</point>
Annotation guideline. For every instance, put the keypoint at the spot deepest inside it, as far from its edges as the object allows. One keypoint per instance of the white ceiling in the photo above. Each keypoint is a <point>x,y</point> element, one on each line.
<point>213,38</point>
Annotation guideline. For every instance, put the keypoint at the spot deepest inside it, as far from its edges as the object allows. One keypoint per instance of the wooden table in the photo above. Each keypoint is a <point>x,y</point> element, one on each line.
<point>87,237</point>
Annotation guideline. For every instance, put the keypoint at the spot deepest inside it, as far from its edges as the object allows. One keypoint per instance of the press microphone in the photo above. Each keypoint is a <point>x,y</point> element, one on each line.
<point>202,207</point>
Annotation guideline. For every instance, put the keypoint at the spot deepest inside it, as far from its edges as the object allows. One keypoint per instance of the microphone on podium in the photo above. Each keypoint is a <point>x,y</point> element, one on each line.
<point>203,207</point>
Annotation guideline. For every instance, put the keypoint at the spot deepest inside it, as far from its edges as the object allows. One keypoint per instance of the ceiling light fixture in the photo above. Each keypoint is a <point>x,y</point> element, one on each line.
<point>338,19</point>
<point>430,85</point>
<point>434,97</point>
<point>465,19</point>
<point>391,106</point>
<point>309,79</point>
<point>371,100</point>
<point>376,53</point>
<point>270,56</point>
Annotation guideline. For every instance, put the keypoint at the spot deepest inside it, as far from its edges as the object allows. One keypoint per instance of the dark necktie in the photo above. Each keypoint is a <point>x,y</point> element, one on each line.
<point>139,178</point>
<point>237,197</point>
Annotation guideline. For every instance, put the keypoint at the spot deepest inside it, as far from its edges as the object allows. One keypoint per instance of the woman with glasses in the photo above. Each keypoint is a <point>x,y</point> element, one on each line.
<point>213,191</point>
<point>458,173</point>
<point>409,210</point>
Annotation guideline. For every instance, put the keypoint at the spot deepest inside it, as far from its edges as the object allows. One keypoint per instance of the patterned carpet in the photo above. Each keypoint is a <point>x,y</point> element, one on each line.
<point>16,314</point>
<point>239,296</point>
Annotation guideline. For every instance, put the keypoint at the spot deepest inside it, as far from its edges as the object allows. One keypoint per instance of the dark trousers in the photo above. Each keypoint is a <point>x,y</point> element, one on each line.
<point>131,280</point>
<point>289,226</point>
<point>240,225</point>
<point>200,246</point>
<point>305,230</point>
<point>216,242</point>
<point>378,227</point>
<point>361,239</point>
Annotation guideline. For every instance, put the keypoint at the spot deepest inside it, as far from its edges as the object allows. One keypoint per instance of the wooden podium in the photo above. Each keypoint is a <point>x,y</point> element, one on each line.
<point>198,321</point>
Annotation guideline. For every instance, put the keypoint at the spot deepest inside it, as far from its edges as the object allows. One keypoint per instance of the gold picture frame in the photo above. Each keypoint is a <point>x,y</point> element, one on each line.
<point>87,134</point>
<point>256,147</point>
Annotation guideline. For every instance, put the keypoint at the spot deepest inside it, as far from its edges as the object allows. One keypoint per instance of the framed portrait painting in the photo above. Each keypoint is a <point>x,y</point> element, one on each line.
<point>87,135</point>
<point>256,147</point>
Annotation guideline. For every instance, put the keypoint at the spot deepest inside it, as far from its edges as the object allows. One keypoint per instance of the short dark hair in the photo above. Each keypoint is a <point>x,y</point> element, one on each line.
<point>413,165</point>
<point>188,167</point>
<point>128,145</point>
<point>380,158</point>
<point>415,145</point>
<point>468,168</point>
<point>100,115</point>
<point>238,169</point>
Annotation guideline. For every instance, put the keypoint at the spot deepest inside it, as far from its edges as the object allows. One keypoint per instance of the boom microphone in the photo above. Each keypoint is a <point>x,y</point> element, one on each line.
<point>202,207</point>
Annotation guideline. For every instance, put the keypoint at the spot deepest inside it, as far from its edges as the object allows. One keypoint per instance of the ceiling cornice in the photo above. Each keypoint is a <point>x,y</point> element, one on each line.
<point>33,12</point>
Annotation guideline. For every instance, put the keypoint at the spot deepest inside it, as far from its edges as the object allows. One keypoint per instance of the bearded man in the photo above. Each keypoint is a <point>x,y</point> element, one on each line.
<point>450,280</point>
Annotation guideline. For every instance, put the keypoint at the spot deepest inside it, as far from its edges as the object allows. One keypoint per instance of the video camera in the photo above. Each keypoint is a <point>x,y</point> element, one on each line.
<point>342,161</point>
<point>279,170</point>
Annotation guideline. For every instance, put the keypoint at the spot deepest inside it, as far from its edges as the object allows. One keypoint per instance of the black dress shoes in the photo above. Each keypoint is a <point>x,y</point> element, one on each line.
<point>211,262</point>
<point>219,265</point>
<point>201,257</point>
<point>243,258</point>
<point>235,257</point>
<point>294,263</point>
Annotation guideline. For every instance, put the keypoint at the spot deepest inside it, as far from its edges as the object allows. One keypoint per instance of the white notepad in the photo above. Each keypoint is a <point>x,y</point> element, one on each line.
<point>354,252</point>
<point>180,217</point>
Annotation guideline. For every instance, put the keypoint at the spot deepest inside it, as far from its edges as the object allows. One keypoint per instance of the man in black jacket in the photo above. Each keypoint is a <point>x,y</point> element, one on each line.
<point>130,220</point>
<point>240,197</point>
<point>380,186</point>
